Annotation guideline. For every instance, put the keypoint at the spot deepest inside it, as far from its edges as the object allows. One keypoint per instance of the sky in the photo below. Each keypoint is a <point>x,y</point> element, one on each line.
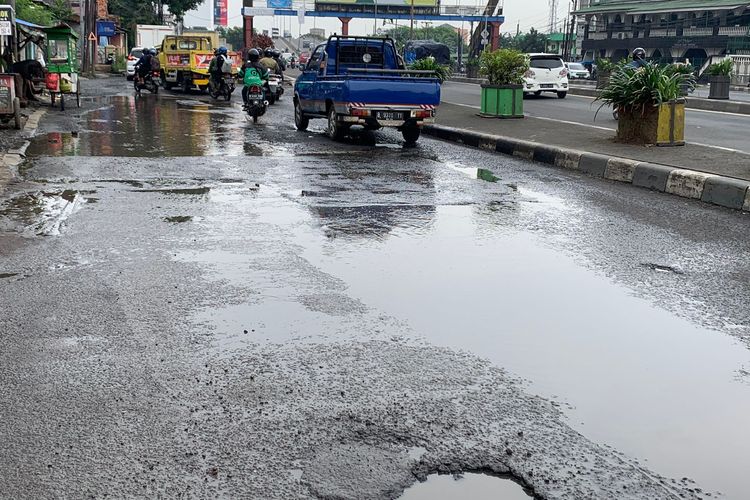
<point>528,13</point>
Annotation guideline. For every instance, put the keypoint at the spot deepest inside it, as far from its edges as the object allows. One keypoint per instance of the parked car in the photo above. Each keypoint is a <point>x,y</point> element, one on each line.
<point>577,71</point>
<point>133,57</point>
<point>361,81</point>
<point>303,58</point>
<point>547,73</point>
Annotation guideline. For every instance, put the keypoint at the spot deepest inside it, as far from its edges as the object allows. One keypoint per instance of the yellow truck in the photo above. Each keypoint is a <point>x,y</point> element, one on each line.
<point>184,61</point>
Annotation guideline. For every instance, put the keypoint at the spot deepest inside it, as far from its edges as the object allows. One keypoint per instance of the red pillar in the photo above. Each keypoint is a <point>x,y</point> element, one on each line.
<point>495,28</point>
<point>247,26</point>
<point>345,25</point>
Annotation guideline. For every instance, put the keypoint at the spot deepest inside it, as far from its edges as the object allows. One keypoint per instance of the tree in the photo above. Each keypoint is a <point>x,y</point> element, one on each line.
<point>234,36</point>
<point>533,41</point>
<point>178,8</point>
<point>33,12</point>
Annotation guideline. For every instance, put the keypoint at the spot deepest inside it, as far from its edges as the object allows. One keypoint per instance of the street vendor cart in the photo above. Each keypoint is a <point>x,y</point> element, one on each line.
<point>10,105</point>
<point>62,63</point>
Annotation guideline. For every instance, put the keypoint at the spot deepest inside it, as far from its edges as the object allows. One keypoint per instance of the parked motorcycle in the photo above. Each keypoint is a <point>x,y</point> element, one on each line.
<point>225,88</point>
<point>149,83</point>
<point>255,102</point>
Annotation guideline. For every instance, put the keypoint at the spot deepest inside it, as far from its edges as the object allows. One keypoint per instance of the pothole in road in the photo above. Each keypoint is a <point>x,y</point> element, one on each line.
<point>470,485</point>
<point>42,213</point>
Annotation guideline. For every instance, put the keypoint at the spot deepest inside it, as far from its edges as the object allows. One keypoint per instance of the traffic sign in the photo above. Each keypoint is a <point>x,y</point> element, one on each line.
<point>92,37</point>
<point>485,33</point>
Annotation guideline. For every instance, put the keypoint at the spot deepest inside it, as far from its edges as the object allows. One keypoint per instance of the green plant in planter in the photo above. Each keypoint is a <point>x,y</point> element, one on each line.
<point>503,66</point>
<point>503,95</point>
<point>724,68</point>
<point>688,71</point>
<point>472,67</point>
<point>605,65</point>
<point>719,79</point>
<point>648,101</point>
<point>429,64</point>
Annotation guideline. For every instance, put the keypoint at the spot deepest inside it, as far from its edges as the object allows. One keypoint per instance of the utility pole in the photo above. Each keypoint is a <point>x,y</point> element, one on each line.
<point>411,28</point>
<point>518,28</point>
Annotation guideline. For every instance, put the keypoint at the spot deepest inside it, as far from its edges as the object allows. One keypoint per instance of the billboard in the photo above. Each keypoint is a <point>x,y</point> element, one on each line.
<point>279,4</point>
<point>220,12</point>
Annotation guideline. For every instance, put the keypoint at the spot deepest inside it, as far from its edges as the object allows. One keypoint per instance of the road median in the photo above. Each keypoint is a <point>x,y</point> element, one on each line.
<point>700,103</point>
<point>712,175</point>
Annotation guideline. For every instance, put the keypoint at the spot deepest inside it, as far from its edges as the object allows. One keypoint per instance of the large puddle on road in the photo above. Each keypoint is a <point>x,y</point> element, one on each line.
<point>151,127</point>
<point>466,487</point>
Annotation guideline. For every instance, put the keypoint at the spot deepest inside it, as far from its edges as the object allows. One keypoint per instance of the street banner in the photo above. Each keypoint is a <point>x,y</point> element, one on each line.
<point>220,12</point>
<point>279,4</point>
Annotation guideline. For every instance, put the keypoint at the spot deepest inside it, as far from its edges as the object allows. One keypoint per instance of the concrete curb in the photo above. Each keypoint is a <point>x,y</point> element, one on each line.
<point>13,157</point>
<point>710,188</point>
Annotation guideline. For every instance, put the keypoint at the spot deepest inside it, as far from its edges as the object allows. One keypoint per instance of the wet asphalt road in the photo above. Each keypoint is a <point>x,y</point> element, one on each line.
<point>193,305</point>
<point>725,130</point>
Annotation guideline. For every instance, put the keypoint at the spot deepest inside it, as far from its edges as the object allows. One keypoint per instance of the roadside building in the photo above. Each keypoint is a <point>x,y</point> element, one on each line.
<point>669,30</point>
<point>556,45</point>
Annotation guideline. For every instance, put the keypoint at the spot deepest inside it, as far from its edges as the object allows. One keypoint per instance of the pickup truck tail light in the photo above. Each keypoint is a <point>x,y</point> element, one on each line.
<point>360,112</point>
<point>564,72</point>
<point>529,74</point>
<point>422,113</point>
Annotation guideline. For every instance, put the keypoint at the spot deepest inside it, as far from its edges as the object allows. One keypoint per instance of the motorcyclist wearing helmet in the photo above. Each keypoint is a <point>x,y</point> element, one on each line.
<point>215,70</point>
<point>143,66</point>
<point>639,58</point>
<point>251,71</point>
<point>269,62</point>
<point>279,60</point>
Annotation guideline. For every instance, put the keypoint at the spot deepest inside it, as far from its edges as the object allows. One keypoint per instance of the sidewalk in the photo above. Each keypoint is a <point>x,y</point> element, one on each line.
<point>595,152</point>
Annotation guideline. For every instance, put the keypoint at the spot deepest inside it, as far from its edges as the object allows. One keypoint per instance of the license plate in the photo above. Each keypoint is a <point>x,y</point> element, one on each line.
<point>546,86</point>
<point>256,97</point>
<point>389,115</point>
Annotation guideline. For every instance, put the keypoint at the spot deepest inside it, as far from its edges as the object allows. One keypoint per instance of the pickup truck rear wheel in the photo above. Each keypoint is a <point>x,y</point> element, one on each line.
<point>336,129</point>
<point>411,134</point>
<point>300,120</point>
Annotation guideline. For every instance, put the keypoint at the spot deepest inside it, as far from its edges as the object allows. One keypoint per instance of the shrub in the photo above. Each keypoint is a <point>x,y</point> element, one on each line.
<point>605,65</point>
<point>503,66</point>
<point>638,90</point>
<point>429,64</point>
<point>724,68</point>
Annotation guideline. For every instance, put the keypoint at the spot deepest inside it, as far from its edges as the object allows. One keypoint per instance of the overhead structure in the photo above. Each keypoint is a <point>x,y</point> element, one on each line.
<point>411,10</point>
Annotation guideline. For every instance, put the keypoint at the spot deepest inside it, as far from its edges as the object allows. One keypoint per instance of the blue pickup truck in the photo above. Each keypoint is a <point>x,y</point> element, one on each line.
<point>362,81</point>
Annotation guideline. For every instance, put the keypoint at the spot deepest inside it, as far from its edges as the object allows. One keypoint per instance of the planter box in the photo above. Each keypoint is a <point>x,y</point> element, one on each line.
<point>719,88</point>
<point>663,125</point>
<point>602,80</point>
<point>502,101</point>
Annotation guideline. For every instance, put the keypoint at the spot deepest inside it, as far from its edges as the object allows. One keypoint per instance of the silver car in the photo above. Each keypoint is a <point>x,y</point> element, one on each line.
<point>577,71</point>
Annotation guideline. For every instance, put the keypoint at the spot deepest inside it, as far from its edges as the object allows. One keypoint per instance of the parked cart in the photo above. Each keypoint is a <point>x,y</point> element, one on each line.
<point>10,105</point>
<point>62,63</point>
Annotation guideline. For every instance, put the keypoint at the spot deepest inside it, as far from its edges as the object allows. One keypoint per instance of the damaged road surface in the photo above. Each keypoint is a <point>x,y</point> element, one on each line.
<point>194,306</point>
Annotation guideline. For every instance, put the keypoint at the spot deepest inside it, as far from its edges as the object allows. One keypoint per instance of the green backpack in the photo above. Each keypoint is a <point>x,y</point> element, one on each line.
<point>252,77</point>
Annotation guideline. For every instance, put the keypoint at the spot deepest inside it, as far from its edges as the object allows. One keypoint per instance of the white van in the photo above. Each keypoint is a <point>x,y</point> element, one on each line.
<point>547,73</point>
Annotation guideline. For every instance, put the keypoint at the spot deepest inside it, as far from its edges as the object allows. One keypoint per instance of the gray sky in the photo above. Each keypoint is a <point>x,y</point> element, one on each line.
<point>529,13</point>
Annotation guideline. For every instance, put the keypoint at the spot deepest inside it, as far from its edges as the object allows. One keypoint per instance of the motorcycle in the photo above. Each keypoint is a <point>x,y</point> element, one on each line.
<point>255,102</point>
<point>149,83</point>
<point>226,87</point>
<point>273,89</point>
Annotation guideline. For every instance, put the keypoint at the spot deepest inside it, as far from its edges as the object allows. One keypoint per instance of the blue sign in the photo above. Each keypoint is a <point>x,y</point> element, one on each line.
<point>105,28</point>
<point>279,4</point>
